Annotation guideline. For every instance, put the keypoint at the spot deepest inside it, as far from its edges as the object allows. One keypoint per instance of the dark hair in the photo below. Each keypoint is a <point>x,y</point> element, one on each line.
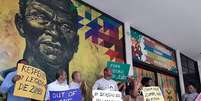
<point>21,60</point>
<point>190,84</point>
<point>145,80</point>
<point>59,73</point>
<point>106,69</point>
<point>73,74</point>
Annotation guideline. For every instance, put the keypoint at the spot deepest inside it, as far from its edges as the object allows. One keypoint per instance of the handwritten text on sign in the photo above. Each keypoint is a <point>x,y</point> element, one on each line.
<point>105,95</point>
<point>152,94</point>
<point>32,83</point>
<point>119,70</point>
<point>69,95</point>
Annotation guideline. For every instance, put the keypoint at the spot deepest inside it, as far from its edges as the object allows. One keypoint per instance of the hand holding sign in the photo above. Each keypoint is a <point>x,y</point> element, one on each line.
<point>16,78</point>
<point>30,82</point>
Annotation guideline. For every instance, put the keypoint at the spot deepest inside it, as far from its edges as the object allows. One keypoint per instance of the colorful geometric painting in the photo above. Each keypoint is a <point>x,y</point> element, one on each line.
<point>147,50</point>
<point>87,43</point>
<point>102,38</point>
<point>168,87</point>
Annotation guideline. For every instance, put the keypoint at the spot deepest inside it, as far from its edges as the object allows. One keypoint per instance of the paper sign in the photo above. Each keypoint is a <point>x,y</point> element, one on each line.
<point>32,83</point>
<point>152,94</point>
<point>119,70</point>
<point>69,95</point>
<point>106,95</point>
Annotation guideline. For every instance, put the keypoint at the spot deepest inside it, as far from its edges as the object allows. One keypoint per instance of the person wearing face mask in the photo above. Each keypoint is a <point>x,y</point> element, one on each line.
<point>60,84</point>
<point>106,83</point>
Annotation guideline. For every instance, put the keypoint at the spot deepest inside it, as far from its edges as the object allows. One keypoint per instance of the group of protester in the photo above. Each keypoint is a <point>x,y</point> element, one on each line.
<point>131,90</point>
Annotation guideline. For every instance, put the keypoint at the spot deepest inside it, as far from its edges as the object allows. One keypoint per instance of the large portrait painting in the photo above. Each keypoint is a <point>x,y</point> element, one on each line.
<point>55,34</point>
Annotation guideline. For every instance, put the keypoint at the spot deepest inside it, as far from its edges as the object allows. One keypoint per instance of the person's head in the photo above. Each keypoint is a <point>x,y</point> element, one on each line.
<point>107,73</point>
<point>76,76</point>
<point>22,61</point>
<point>147,81</point>
<point>61,76</point>
<point>50,29</point>
<point>190,88</point>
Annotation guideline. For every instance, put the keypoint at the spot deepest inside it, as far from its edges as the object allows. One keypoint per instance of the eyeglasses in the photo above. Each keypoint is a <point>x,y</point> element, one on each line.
<point>43,20</point>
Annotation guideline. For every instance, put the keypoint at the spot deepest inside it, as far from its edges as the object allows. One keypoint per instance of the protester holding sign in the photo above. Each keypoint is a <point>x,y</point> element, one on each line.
<point>77,83</point>
<point>9,84</point>
<point>106,83</point>
<point>133,91</point>
<point>60,84</point>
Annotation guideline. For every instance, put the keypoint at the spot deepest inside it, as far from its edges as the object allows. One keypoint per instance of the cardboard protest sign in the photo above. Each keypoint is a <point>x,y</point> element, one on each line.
<point>119,70</point>
<point>152,94</point>
<point>69,95</point>
<point>32,83</point>
<point>105,95</point>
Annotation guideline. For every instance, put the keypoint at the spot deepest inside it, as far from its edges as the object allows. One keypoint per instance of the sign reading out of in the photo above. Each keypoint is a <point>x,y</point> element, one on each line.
<point>69,95</point>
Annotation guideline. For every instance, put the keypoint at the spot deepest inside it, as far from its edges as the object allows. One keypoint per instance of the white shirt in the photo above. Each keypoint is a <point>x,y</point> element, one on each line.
<point>74,85</point>
<point>56,86</point>
<point>103,84</point>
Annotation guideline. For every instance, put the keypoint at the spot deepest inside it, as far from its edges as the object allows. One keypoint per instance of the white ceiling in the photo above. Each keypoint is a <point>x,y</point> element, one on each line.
<point>176,23</point>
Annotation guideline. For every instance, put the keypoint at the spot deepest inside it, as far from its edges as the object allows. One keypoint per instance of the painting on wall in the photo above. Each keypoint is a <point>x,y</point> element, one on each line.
<point>59,34</point>
<point>168,87</point>
<point>152,52</point>
<point>139,73</point>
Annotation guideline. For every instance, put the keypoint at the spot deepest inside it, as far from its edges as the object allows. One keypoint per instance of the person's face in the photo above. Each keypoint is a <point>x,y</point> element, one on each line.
<point>190,89</point>
<point>62,77</point>
<point>108,73</point>
<point>78,77</point>
<point>149,83</point>
<point>49,32</point>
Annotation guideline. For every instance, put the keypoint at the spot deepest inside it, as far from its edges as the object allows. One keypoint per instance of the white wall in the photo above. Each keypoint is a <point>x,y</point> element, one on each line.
<point>199,68</point>
<point>179,66</point>
<point>129,59</point>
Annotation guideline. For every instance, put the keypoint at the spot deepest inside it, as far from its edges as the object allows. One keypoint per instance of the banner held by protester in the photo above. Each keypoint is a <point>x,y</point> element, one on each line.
<point>69,95</point>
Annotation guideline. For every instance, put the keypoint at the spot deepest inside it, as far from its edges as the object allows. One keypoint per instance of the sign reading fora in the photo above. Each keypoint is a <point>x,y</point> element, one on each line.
<point>32,83</point>
<point>69,95</point>
<point>119,70</point>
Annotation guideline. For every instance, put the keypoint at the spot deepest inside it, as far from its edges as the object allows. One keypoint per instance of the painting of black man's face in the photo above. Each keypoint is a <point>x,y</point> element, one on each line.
<point>53,34</point>
<point>50,30</point>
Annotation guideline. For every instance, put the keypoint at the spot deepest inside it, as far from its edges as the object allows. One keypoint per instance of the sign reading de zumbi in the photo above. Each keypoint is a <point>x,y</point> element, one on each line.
<point>152,94</point>
<point>105,95</point>
<point>32,83</point>
<point>69,95</point>
<point>119,70</point>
